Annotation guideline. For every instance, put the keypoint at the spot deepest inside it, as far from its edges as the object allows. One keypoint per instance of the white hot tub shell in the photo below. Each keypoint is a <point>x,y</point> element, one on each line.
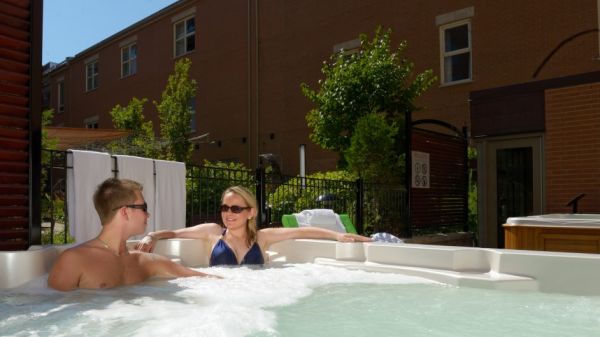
<point>569,273</point>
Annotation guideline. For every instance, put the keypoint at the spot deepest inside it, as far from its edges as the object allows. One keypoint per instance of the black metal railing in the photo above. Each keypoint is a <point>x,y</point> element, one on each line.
<point>372,207</point>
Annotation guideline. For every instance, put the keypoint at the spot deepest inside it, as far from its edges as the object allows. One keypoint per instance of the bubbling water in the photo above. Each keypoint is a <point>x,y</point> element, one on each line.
<point>240,304</point>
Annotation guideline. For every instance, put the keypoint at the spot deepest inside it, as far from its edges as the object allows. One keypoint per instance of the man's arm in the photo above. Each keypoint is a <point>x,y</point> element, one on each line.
<point>160,266</point>
<point>66,272</point>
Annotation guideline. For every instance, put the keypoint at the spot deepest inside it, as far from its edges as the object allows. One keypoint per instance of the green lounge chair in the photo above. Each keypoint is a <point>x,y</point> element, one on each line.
<point>289,221</point>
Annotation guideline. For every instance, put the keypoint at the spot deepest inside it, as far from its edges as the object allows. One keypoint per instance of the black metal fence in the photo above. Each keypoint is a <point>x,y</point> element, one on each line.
<point>372,207</point>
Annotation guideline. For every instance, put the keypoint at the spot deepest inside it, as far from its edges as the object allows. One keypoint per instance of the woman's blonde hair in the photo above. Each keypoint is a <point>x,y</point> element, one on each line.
<point>250,200</point>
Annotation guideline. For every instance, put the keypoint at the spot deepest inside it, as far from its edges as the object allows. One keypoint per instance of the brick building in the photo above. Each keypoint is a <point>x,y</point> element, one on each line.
<point>499,65</point>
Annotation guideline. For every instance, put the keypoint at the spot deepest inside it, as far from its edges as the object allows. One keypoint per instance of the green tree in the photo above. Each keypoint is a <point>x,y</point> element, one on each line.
<point>48,143</point>
<point>175,112</point>
<point>131,117</point>
<point>376,79</point>
<point>372,151</point>
<point>52,206</point>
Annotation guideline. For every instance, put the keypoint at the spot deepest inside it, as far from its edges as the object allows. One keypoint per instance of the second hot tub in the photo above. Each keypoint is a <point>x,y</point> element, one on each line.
<point>578,233</point>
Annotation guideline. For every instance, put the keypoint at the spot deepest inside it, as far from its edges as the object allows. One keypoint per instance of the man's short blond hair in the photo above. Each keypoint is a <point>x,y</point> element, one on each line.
<point>112,194</point>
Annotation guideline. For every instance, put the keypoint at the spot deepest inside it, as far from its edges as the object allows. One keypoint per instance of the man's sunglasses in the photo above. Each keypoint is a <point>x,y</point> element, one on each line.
<point>234,209</point>
<point>143,207</point>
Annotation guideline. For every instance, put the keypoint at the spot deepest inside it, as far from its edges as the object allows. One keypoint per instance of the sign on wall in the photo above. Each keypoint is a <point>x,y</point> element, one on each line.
<point>420,169</point>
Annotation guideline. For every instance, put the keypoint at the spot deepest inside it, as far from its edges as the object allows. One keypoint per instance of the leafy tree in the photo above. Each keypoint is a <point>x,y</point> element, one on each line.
<point>52,205</point>
<point>131,117</point>
<point>373,80</point>
<point>175,113</point>
<point>472,203</point>
<point>48,143</point>
<point>372,148</point>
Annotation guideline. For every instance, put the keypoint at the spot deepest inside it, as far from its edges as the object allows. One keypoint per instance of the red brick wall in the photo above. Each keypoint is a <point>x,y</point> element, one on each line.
<point>572,147</point>
<point>254,95</point>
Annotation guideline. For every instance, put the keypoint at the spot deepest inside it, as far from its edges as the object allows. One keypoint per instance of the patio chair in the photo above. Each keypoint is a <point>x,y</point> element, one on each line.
<point>290,221</point>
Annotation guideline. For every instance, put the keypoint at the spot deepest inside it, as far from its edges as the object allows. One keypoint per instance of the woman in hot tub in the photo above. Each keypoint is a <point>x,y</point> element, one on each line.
<point>240,242</point>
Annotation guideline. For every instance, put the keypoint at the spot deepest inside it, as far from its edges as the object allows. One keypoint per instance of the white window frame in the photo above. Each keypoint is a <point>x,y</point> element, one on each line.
<point>184,37</point>
<point>348,47</point>
<point>91,75</point>
<point>91,122</point>
<point>130,62</point>
<point>444,54</point>
<point>60,95</point>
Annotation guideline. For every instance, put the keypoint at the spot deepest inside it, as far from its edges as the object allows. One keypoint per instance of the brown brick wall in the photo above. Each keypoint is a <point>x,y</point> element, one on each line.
<point>251,57</point>
<point>572,147</point>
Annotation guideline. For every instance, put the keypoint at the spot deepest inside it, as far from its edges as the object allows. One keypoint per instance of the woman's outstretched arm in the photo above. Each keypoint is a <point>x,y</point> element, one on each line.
<point>269,236</point>
<point>202,231</point>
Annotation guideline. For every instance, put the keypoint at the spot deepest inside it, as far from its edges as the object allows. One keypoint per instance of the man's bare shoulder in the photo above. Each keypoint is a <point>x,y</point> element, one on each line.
<point>75,252</point>
<point>68,268</point>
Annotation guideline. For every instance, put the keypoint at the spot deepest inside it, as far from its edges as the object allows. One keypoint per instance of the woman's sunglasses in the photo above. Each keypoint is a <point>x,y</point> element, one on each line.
<point>234,209</point>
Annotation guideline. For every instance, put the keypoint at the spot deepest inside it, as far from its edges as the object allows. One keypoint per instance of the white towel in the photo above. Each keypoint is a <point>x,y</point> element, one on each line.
<point>386,237</point>
<point>141,170</point>
<point>322,218</point>
<point>89,169</point>
<point>170,195</point>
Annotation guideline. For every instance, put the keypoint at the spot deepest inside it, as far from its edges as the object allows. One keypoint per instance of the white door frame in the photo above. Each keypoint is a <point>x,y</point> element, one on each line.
<point>487,202</point>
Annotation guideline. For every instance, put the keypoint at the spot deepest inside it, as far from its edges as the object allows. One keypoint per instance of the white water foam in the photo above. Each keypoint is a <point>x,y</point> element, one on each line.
<point>238,305</point>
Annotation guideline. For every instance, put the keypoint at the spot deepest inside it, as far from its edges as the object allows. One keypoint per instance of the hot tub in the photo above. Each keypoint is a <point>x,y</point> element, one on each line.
<point>459,266</point>
<point>321,288</point>
<point>579,233</point>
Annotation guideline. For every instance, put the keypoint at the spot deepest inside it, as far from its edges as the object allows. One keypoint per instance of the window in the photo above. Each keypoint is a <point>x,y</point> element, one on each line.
<point>91,123</point>
<point>192,107</point>
<point>129,60</point>
<point>348,47</point>
<point>61,96</point>
<point>455,42</point>
<point>91,75</point>
<point>185,35</point>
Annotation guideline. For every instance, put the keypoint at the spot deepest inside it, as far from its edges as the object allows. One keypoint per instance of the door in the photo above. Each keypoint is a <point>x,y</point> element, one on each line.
<point>511,184</point>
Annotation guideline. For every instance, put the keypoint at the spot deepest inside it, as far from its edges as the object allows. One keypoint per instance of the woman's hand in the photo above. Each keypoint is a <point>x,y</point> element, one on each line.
<point>348,237</point>
<point>146,244</point>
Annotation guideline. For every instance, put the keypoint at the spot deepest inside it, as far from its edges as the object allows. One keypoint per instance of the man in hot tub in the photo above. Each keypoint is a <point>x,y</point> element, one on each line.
<point>105,262</point>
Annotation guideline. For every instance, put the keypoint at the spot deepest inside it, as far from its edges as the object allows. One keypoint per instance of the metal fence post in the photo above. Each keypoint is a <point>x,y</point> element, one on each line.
<point>260,196</point>
<point>466,177</point>
<point>360,195</point>
<point>408,171</point>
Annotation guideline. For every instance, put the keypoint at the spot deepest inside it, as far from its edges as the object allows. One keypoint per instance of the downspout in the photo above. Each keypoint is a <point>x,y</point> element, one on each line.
<point>257,81</point>
<point>35,123</point>
<point>249,103</point>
